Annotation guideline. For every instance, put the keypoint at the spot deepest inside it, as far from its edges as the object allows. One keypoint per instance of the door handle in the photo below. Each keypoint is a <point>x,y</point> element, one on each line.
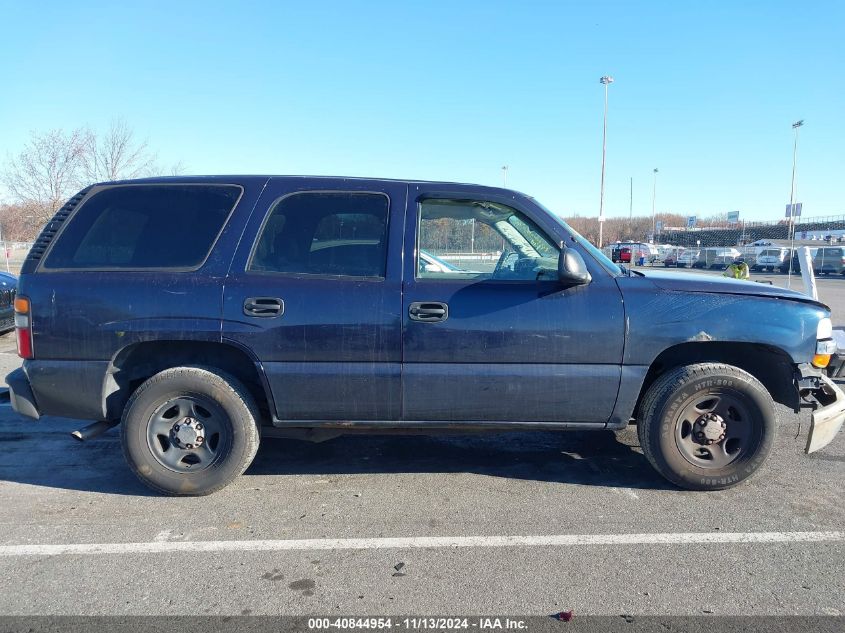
<point>264,307</point>
<point>428,311</point>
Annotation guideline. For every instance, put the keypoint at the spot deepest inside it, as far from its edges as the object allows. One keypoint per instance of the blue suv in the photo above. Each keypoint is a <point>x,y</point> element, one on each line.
<point>201,313</point>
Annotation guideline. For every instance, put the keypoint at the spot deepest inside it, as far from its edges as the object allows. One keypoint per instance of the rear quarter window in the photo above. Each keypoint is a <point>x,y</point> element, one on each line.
<point>144,226</point>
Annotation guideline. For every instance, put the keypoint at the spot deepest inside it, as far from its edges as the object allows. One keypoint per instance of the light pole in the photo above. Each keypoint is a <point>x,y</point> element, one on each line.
<point>606,81</point>
<point>505,176</point>
<point>653,205</point>
<point>795,126</point>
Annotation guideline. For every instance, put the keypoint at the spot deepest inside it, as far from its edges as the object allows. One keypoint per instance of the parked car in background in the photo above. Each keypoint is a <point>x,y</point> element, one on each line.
<point>770,259</point>
<point>432,263</point>
<point>716,258</point>
<point>725,257</point>
<point>631,252</point>
<point>8,287</point>
<point>670,255</point>
<point>796,261</point>
<point>829,260</point>
<point>622,255</point>
<point>687,258</point>
<point>665,251</point>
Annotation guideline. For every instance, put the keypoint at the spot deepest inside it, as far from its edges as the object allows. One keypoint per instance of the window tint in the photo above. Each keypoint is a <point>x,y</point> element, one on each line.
<point>144,226</point>
<point>325,234</point>
<point>481,240</point>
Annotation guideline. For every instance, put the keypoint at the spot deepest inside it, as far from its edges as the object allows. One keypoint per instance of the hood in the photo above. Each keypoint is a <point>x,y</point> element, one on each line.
<point>691,282</point>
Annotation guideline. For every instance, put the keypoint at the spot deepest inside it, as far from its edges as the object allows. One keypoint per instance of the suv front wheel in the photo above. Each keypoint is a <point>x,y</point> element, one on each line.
<point>190,431</point>
<point>707,426</point>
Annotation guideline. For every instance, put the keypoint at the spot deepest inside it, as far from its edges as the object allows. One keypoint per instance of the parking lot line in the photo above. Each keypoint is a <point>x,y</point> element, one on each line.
<point>420,542</point>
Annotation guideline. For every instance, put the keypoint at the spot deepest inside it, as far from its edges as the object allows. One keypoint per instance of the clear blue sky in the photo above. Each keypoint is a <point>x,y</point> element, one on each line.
<point>706,92</point>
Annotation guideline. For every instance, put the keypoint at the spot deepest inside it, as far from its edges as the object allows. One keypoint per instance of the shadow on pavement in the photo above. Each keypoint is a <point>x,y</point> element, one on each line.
<point>43,454</point>
<point>591,458</point>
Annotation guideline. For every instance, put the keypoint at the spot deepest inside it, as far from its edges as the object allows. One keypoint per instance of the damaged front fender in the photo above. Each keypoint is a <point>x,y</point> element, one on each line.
<point>826,421</point>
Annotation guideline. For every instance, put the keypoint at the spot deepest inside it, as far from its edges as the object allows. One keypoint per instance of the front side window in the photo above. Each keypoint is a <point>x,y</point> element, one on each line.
<point>144,226</point>
<point>325,233</point>
<point>469,239</point>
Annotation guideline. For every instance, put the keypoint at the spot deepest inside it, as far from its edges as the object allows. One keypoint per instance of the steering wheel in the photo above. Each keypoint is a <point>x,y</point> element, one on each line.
<point>504,264</point>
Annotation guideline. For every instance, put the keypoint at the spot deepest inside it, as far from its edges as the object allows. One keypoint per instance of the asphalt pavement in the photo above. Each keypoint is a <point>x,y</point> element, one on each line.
<point>515,523</point>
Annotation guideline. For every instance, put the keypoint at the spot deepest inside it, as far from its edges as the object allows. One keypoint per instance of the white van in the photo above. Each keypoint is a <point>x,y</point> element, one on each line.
<point>770,259</point>
<point>716,257</point>
<point>688,258</point>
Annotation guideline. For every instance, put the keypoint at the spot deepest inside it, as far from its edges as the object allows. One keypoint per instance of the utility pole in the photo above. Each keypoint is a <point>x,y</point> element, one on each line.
<point>653,205</point>
<point>795,126</point>
<point>606,81</point>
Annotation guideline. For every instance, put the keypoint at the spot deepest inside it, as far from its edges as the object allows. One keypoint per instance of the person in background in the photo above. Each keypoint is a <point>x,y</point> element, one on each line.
<point>738,270</point>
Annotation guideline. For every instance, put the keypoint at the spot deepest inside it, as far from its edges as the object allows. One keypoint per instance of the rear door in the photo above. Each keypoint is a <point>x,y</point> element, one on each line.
<point>498,339</point>
<point>314,293</point>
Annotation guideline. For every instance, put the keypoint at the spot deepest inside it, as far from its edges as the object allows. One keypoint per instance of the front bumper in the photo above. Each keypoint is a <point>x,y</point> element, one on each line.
<point>826,421</point>
<point>20,394</point>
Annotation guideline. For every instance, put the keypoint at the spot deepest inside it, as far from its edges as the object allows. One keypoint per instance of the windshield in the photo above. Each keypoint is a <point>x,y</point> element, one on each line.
<point>603,259</point>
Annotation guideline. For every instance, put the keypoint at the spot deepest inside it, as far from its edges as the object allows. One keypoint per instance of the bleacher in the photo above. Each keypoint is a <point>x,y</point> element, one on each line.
<point>733,236</point>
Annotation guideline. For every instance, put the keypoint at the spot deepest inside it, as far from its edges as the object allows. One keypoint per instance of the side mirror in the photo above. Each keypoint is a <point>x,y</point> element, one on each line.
<point>571,269</point>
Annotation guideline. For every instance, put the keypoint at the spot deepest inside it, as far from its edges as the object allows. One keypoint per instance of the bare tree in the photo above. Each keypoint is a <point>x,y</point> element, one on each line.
<point>18,222</point>
<point>116,155</point>
<point>178,168</point>
<point>54,165</point>
<point>46,172</point>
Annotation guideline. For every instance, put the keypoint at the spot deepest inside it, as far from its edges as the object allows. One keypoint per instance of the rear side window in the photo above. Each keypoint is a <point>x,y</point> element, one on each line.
<point>325,233</point>
<point>144,226</point>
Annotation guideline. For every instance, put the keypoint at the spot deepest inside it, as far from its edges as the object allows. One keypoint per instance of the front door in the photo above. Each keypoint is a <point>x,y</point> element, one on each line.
<point>314,293</point>
<point>490,334</point>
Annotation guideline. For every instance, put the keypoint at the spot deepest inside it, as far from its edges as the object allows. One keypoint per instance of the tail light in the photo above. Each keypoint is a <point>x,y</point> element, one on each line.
<point>23,327</point>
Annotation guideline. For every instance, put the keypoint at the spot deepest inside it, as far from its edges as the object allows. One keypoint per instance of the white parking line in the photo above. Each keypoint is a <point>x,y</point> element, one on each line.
<point>434,542</point>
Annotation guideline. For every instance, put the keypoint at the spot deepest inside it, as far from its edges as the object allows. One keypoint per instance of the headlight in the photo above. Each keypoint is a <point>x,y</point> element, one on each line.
<point>825,329</point>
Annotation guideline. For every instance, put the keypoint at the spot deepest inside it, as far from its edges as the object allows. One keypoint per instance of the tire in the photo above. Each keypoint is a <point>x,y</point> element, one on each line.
<point>668,435</point>
<point>218,409</point>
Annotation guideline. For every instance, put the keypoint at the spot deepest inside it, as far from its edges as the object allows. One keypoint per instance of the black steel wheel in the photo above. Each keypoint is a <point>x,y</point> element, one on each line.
<point>190,431</point>
<point>707,426</point>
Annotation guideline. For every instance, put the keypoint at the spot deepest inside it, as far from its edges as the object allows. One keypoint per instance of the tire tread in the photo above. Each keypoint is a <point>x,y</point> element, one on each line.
<point>657,394</point>
<point>222,380</point>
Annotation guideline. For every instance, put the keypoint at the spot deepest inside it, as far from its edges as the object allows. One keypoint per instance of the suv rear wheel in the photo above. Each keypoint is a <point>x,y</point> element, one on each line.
<point>190,431</point>
<point>707,426</point>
